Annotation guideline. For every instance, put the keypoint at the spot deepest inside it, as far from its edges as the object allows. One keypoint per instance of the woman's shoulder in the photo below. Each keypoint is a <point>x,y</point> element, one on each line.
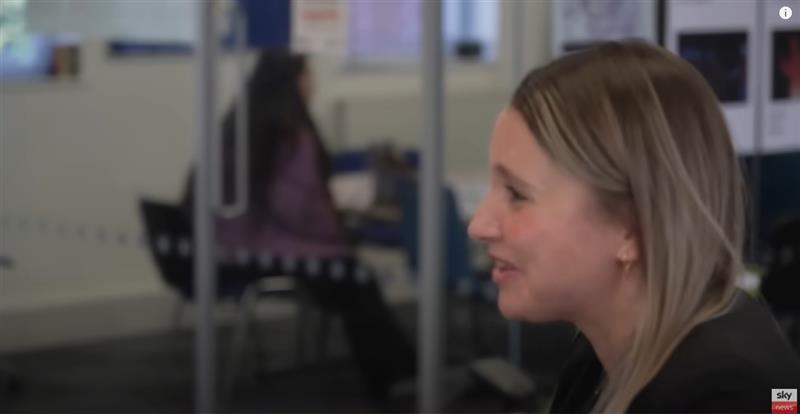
<point>724,383</point>
<point>728,364</point>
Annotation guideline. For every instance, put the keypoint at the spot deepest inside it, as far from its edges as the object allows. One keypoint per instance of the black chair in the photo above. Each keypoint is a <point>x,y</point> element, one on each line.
<point>10,383</point>
<point>781,284</point>
<point>168,231</point>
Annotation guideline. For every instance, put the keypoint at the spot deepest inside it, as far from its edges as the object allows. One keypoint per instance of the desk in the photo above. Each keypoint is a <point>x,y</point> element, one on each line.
<point>357,191</point>
<point>355,194</point>
<point>353,191</point>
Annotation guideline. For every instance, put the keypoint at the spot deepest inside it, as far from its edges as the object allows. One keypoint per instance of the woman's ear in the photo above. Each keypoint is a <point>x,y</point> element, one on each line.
<point>629,249</point>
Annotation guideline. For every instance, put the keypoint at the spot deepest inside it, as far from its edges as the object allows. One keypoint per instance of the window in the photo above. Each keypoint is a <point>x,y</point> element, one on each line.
<point>388,32</point>
<point>25,55</point>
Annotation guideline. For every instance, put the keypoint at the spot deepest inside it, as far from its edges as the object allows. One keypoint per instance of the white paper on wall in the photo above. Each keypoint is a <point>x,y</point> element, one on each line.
<point>780,95</point>
<point>578,23</point>
<point>319,26</point>
<point>719,38</point>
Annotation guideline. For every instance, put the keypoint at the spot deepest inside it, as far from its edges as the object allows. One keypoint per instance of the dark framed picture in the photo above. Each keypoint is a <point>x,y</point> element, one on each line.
<point>721,58</point>
<point>786,65</point>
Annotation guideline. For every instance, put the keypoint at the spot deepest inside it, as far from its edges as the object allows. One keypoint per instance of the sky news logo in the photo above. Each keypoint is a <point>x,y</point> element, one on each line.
<point>784,401</point>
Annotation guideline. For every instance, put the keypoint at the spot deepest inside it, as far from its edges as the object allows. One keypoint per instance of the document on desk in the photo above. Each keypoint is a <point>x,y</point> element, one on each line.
<point>353,191</point>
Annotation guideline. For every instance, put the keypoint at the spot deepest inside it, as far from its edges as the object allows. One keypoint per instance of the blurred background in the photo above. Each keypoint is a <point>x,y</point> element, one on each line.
<point>99,137</point>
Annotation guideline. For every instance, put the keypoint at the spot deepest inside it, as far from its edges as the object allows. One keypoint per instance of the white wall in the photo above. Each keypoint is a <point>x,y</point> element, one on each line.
<point>82,153</point>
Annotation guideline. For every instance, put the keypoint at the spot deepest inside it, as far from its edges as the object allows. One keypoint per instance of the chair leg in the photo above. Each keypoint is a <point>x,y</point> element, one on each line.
<point>256,332</point>
<point>237,341</point>
<point>323,336</point>
<point>301,325</point>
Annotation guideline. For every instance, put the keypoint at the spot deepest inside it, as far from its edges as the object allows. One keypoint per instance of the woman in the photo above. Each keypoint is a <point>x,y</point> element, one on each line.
<point>287,168</point>
<point>291,218</point>
<point>616,203</point>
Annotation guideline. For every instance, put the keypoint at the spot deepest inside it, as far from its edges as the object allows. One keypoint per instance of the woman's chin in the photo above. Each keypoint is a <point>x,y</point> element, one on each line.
<point>511,308</point>
<point>516,309</point>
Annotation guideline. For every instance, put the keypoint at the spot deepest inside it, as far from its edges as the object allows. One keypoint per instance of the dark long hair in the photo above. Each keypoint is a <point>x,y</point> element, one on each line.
<point>277,115</point>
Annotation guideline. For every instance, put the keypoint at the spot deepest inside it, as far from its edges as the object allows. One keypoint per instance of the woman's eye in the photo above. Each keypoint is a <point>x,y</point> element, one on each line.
<point>515,195</point>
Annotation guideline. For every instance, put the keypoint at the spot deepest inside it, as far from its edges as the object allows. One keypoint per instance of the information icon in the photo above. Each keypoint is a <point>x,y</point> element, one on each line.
<point>785,12</point>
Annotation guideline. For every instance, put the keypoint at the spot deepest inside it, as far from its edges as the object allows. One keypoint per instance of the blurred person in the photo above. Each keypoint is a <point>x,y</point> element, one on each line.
<point>617,204</point>
<point>291,216</point>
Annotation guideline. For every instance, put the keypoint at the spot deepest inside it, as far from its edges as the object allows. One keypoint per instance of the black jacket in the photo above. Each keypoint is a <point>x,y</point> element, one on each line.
<point>726,365</point>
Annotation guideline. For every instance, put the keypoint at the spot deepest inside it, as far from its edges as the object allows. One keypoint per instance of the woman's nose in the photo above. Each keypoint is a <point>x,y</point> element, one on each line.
<point>483,226</point>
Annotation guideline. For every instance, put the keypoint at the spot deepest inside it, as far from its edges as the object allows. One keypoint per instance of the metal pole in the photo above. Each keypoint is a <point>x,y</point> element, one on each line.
<point>204,234</point>
<point>340,123</point>
<point>517,41</point>
<point>431,289</point>
<point>518,71</point>
<point>754,175</point>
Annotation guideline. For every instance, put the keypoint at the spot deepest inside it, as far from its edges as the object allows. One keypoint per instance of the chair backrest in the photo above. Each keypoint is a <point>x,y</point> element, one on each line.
<point>359,160</point>
<point>166,228</point>
<point>781,283</point>
<point>778,196</point>
<point>784,243</point>
<point>349,161</point>
<point>457,261</point>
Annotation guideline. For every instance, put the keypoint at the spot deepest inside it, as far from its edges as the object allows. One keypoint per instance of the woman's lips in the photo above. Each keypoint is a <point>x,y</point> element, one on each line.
<point>503,271</point>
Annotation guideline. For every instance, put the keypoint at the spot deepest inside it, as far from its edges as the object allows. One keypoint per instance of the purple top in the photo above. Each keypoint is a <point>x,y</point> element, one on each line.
<point>299,220</point>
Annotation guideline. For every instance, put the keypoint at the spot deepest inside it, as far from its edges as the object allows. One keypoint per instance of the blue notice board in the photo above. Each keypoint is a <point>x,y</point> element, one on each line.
<point>268,23</point>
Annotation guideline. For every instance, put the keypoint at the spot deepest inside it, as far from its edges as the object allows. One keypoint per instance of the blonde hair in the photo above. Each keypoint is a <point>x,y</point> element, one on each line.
<point>644,129</point>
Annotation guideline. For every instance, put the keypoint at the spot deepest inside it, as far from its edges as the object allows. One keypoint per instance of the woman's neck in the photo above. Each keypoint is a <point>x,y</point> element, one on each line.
<point>610,325</point>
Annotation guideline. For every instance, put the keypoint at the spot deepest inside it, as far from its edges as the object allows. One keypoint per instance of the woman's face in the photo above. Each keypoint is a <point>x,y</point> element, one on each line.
<point>554,250</point>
